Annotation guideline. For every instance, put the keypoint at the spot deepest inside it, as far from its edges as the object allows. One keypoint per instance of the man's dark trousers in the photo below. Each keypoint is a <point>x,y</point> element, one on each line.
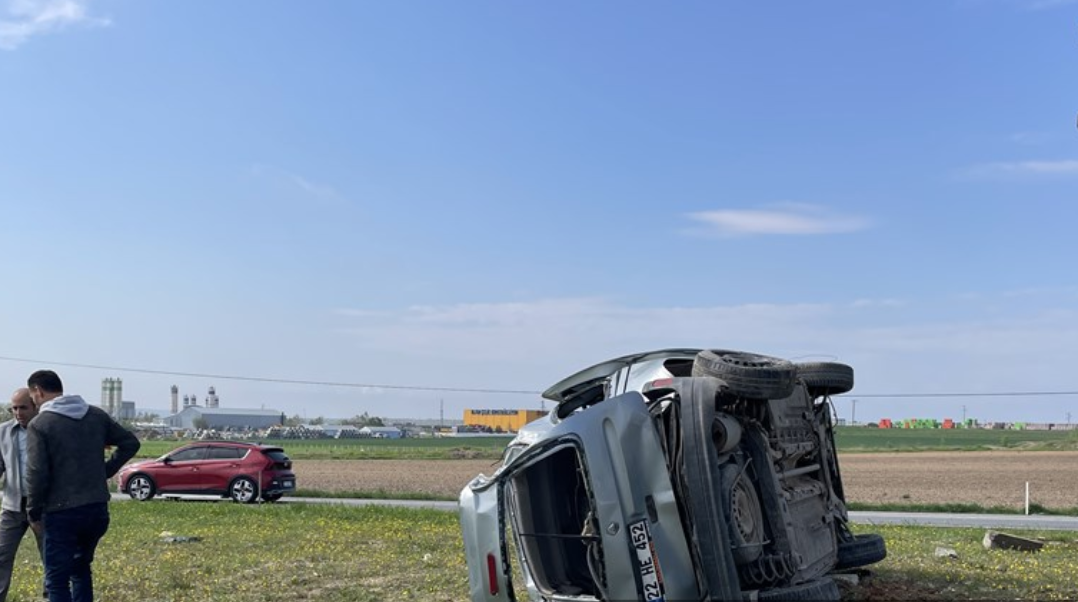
<point>71,537</point>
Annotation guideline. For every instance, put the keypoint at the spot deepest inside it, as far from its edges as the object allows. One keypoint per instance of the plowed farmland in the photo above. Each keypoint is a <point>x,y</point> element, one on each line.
<point>995,478</point>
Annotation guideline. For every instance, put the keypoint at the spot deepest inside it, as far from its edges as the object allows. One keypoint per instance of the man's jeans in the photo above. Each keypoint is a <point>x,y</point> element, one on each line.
<point>71,537</point>
<point>13,525</point>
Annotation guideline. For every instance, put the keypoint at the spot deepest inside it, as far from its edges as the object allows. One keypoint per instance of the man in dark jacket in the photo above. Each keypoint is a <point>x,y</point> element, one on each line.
<point>66,481</point>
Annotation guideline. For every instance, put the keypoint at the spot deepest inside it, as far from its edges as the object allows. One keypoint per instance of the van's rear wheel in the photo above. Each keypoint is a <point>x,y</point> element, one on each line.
<point>748,374</point>
<point>862,550</point>
<point>826,378</point>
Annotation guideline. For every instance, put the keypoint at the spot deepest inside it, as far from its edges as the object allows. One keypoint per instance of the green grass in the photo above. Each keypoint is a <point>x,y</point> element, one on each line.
<point>913,572</point>
<point>963,509</point>
<point>373,494</point>
<point>863,439</point>
<point>285,552</point>
<point>269,553</point>
<point>848,439</point>
<point>448,448</point>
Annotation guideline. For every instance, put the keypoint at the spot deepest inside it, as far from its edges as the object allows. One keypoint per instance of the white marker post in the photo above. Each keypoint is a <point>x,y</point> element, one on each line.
<point>1027,498</point>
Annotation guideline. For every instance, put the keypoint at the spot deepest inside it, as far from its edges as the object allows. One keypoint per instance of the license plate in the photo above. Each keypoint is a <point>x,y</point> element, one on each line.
<point>647,563</point>
<point>287,484</point>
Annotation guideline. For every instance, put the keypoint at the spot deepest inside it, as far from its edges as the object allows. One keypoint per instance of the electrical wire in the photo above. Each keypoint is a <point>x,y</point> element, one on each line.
<point>288,381</point>
<point>321,383</point>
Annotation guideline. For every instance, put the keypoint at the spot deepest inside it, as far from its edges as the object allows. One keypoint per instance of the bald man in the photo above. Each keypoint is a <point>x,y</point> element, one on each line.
<point>13,518</point>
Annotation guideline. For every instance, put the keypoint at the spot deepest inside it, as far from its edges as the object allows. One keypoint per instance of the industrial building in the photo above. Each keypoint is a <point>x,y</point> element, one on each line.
<point>509,421</point>
<point>112,394</point>
<point>381,432</point>
<point>225,419</point>
<point>213,416</point>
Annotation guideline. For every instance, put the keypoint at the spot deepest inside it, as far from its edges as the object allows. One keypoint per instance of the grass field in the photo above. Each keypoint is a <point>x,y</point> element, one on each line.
<point>862,439</point>
<point>912,571</point>
<point>284,552</point>
<point>269,553</point>
<point>368,449</point>
<point>848,439</point>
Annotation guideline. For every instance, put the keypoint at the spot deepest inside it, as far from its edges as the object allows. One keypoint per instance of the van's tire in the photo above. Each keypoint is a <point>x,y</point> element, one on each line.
<point>862,550</point>
<point>825,378</point>
<point>745,514</point>
<point>819,590</point>
<point>748,374</point>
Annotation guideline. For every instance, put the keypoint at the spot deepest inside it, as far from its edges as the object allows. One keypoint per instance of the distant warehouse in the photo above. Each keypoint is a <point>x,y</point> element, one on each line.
<point>501,420</point>
<point>225,418</point>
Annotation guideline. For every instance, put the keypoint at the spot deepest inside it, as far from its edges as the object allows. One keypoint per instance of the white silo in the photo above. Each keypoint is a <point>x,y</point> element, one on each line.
<point>175,399</point>
<point>112,396</point>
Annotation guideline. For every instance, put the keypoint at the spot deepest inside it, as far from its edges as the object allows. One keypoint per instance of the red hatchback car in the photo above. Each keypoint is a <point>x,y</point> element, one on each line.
<point>234,469</point>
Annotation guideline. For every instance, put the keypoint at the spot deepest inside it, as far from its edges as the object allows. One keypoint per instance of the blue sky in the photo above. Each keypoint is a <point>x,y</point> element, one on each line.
<point>492,195</point>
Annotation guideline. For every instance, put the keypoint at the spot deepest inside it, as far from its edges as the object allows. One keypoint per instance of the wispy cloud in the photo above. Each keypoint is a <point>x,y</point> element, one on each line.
<point>21,20</point>
<point>1047,4</point>
<point>1030,138</point>
<point>784,218</point>
<point>285,179</point>
<point>896,346</point>
<point>1064,167</point>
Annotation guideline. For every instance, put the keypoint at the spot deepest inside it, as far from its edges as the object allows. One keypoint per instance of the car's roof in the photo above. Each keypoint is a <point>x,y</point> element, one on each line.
<point>569,385</point>
<point>225,442</point>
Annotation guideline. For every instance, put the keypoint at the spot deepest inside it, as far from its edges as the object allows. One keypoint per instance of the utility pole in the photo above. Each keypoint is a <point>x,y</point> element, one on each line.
<point>1068,417</point>
<point>963,414</point>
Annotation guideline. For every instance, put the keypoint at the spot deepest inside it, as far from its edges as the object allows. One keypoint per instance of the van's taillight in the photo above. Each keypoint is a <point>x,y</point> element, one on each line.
<point>492,574</point>
<point>659,383</point>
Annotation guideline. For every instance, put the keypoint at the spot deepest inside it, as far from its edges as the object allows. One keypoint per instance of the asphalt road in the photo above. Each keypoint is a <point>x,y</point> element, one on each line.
<point>934,519</point>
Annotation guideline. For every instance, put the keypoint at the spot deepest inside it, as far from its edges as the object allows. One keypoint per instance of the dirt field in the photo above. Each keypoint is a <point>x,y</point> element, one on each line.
<point>985,478</point>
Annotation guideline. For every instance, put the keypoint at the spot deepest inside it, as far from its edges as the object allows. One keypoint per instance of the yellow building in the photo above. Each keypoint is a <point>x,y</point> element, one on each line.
<point>501,420</point>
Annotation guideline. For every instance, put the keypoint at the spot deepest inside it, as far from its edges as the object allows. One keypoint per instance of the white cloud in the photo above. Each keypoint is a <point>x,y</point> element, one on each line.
<point>23,19</point>
<point>306,185</point>
<point>1064,167</point>
<point>287,180</point>
<point>909,346</point>
<point>786,218</point>
<point>1048,4</point>
<point>1031,138</point>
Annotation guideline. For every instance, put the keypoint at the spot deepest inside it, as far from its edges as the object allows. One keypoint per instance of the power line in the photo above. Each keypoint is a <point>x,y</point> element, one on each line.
<point>996,394</point>
<point>261,379</point>
<point>321,383</point>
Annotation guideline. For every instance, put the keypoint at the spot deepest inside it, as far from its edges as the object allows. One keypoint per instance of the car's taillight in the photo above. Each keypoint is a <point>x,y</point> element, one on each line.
<point>492,574</point>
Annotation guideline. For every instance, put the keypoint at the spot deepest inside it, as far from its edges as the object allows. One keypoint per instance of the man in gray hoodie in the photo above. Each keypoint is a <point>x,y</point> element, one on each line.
<point>66,481</point>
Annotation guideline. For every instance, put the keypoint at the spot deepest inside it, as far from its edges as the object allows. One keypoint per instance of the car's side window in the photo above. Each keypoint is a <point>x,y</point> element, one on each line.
<point>225,453</point>
<point>191,453</point>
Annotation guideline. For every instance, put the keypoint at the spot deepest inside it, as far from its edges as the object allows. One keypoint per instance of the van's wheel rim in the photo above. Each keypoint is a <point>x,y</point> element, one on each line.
<point>745,508</point>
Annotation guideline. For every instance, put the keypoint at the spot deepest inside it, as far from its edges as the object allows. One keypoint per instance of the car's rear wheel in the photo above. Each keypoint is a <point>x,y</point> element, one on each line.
<point>826,378</point>
<point>862,550</point>
<point>141,488</point>
<point>748,374</point>
<point>243,490</point>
